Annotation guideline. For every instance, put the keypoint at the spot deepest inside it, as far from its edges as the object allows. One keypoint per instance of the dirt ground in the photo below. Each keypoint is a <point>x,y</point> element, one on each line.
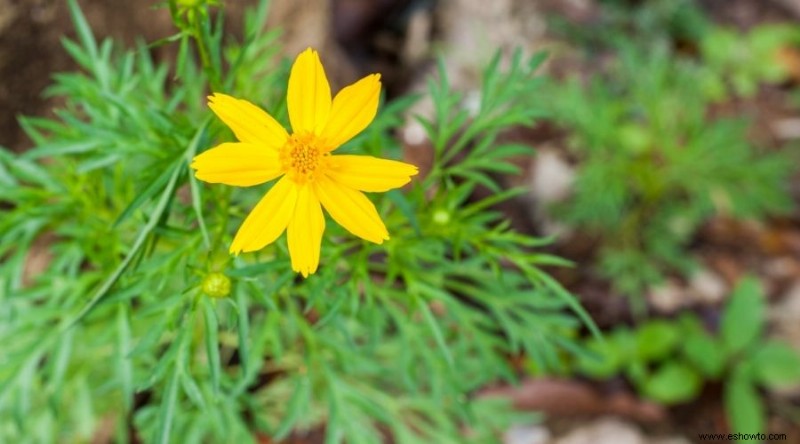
<point>31,32</point>
<point>394,37</point>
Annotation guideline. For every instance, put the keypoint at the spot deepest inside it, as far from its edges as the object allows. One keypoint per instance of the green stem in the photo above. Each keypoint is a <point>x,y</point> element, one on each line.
<point>205,58</point>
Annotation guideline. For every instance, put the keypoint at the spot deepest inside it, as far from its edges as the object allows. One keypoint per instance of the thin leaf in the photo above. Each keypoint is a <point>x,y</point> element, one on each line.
<point>437,332</point>
<point>167,411</point>
<point>243,330</point>
<point>297,407</point>
<point>154,187</point>
<point>212,341</point>
<point>124,365</point>
<point>155,216</point>
<point>82,28</point>
<point>198,210</point>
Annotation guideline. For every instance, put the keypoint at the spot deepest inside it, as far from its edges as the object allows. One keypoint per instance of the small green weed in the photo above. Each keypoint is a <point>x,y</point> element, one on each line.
<point>653,166</point>
<point>669,361</point>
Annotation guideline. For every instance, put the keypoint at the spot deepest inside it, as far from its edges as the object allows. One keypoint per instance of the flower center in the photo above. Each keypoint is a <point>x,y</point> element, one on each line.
<point>302,157</point>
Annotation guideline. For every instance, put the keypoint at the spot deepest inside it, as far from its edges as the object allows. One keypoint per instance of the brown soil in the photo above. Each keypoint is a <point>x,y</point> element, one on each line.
<point>30,50</point>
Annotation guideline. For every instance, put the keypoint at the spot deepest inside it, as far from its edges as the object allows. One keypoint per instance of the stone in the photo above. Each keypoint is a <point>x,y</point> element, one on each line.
<point>527,434</point>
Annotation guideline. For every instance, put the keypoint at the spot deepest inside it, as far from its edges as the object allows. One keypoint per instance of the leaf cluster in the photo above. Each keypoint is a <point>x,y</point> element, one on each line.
<point>654,166</point>
<point>669,361</point>
<point>738,63</point>
<point>732,63</point>
<point>679,21</point>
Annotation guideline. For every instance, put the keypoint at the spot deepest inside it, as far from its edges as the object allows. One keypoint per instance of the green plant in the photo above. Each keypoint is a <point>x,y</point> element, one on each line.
<point>142,323</point>
<point>656,21</point>
<point>730,62</point>
<point>738,62</point>
<point>653,166</point>
<point>668,361</point>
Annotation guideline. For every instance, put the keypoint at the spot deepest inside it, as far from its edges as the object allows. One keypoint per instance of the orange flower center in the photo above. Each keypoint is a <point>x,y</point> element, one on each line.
<point>302,157</point>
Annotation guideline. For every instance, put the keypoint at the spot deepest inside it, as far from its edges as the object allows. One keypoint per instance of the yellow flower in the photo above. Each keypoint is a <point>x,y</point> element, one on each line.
<point>310,176</point>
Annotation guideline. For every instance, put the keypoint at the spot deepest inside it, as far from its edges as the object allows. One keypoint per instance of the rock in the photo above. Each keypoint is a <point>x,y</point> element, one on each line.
<point>604,431</point>
<point>668,297</point>
<point>782,268</point>
<point>527,434</point>
<point>611,430</point>
<point>783,318</point>
<point>552,177</point>
<point>707,287</point>
<point>551,181</point>
<point>472,30</point>
<point>417,44</point>
<point>784,315</point>
<point>786,129</point>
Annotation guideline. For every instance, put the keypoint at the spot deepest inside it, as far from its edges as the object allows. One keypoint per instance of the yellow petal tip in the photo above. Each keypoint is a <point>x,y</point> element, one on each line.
<point>380,240</point>
<point>309,51</point>
<point>304,271</point>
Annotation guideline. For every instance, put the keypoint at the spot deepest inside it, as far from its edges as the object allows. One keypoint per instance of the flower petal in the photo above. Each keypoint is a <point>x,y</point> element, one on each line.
<point>354,107</point>
<point>268,219</point>
<point>367,173</point>
<point>248,122</point>
<point>304,233</point>
<point>309,95</point>
<point>351,209</point>
<point>238,164</point>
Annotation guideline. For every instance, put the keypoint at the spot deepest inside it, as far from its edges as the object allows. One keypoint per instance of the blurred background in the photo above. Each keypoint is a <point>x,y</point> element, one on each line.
<point>396,37</point>
<point>665,169</point>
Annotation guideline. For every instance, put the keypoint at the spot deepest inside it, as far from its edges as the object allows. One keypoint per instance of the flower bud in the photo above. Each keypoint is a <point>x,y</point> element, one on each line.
<point>441,217</point>
<point>216,285</point>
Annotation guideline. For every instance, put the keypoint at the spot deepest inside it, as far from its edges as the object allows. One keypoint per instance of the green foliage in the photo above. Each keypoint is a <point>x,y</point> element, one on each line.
<point>743,404</point>
<point>668,361</point>
<point>776,365</point>
<point>743,320</point>
<point>506,101</point>
<point>739,62</point>
<point>672,383</point>
<point>656,339</point>
<point>653,166</point>
<point>705,353</point>
<point>608,355</point>
<point>654,20</point>
<point>120,328</point>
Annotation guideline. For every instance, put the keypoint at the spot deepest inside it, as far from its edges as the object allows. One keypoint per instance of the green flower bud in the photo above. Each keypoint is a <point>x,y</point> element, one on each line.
<point>216,285</point>
<point>441,217</point>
